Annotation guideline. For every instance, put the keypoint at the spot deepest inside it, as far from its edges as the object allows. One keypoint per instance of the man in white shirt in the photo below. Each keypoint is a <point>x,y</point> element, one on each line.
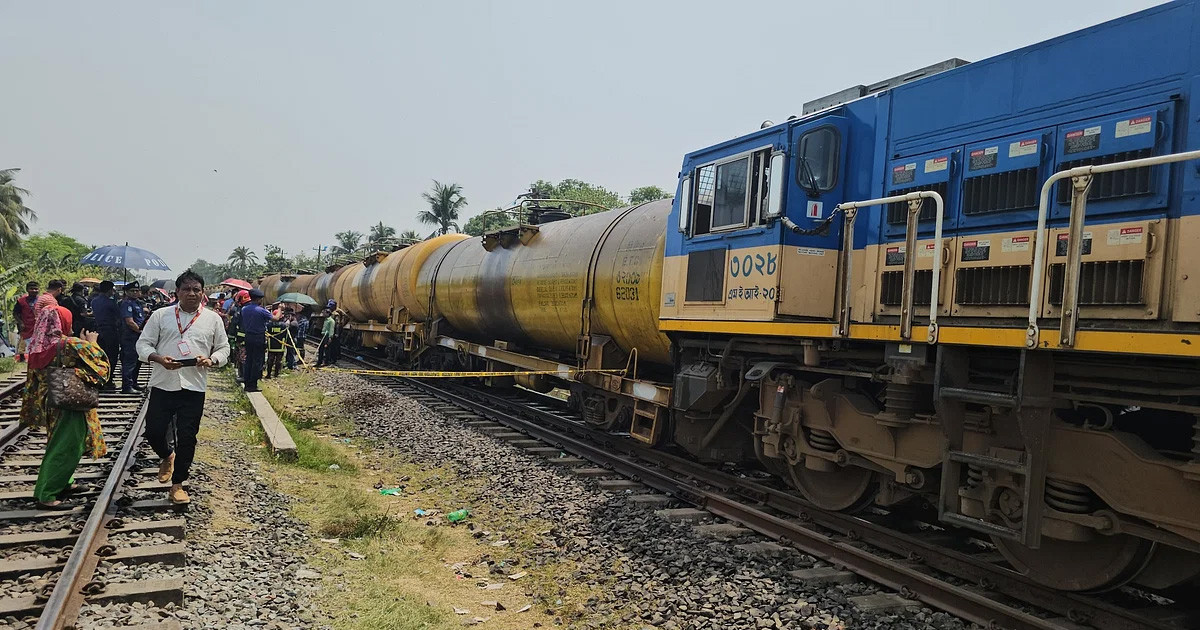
<point>181,342</point>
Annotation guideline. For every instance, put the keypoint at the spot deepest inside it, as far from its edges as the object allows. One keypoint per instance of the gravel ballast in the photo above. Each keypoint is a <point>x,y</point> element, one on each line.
<point>642,570</point>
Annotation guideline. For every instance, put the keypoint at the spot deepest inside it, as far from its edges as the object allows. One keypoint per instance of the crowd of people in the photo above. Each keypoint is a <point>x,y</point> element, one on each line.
<point>81,337</point>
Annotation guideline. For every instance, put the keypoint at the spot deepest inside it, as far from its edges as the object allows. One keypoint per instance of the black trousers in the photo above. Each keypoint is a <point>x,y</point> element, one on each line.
<point>110,343</point>
<point>256,351</point>
<point>324,351</point>
<point>182,410</point>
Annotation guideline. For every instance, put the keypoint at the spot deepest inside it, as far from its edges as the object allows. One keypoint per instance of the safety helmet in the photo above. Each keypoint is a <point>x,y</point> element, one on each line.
<point>243,296</point>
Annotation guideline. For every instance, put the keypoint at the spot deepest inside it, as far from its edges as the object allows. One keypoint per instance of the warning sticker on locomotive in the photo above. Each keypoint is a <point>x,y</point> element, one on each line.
<point>1134,126</point>
<point>894,256</point>
<point>1060,248</point>
<point>983,158</point>
<point>927,251</point>
<point>936,164</point>
<point>669,299</point>
<point>1125,236</point>
<point>810,251</point>
<point>1023,147</point>
<point>904,173</point>
<point>977,250</point>
<point>1015,244</point>
<point>1082,140</point>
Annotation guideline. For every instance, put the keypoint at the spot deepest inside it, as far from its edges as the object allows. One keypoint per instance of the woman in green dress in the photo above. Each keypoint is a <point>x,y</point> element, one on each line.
<point>70,434</point>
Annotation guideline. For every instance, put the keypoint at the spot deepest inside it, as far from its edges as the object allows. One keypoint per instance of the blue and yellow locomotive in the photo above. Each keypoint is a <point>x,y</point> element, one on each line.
<point>970,286</point>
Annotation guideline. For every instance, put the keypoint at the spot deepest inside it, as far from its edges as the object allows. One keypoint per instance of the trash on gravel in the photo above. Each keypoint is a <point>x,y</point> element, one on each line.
<point>524,608</point>
<point>420,512</point>
<point>390,492</point>
<point>517,576</point>
<point>334,467</point>
<point>355,556</point>
<point>455,516</point>
<point>461,611</point>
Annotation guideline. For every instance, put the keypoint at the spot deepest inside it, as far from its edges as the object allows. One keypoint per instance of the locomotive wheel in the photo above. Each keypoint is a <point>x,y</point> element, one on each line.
<point>1102,564</point>
<point>846,489</point>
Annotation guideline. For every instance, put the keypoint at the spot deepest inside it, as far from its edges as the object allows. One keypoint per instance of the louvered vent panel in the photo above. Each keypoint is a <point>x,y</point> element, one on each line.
<point>1102,283</point>
<point>992,286</point>
<point>892,287</point>
<point>897,213</point>
<point>1001,192</point>
<point>1130,182</point>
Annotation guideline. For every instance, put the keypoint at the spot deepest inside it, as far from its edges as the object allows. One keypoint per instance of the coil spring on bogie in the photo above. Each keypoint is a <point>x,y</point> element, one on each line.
<point>1196,439</point>
<point>1066,496</point>
<point>822,440</point>
<point>974,476</point>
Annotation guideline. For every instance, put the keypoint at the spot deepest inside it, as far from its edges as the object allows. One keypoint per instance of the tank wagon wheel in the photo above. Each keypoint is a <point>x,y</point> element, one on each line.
<point>841,489</point>
<point>1101,564</point>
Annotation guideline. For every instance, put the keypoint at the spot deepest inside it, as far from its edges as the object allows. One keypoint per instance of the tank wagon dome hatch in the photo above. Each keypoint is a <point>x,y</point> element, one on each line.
<point>526,215</point>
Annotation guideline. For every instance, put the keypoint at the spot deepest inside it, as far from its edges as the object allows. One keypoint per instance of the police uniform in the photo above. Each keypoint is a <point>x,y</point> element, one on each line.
<point>130,308</point>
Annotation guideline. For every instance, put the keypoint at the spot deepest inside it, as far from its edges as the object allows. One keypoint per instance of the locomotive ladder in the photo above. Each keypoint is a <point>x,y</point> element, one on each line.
<point>1081,181</point>
<point>915,201</point>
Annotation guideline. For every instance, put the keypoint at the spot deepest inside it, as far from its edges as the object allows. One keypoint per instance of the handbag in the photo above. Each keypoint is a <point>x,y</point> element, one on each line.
<point>66,391</point>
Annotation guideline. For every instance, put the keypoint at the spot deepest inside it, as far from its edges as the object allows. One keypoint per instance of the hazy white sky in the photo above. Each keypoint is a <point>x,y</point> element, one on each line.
<point>189,128</point>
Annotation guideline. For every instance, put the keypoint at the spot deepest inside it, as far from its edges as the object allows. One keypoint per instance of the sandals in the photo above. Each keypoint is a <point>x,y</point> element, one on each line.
<point>55,505</point>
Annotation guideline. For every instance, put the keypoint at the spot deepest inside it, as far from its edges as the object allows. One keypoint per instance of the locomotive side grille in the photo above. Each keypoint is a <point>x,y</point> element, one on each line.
<point>897,213</point>
<point>1001,192</point>
<point>1114,185</point>
<point>1102,283</point>
<point>992,286</point>
<point>891,289</point>
<point>705,276</point>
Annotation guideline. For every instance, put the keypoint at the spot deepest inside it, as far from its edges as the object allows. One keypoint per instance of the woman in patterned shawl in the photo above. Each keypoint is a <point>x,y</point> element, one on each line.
<point>70,434</point>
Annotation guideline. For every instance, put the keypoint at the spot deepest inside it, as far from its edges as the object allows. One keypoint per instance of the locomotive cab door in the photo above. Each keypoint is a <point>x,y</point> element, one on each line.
<point>811,239</point>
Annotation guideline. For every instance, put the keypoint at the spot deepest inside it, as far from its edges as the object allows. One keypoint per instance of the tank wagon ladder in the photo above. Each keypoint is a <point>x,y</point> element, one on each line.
<point>915,202</point>
<point>1081,181</point>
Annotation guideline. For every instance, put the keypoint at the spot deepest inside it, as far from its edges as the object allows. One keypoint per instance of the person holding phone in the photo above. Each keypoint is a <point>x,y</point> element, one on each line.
<point>181,342</point>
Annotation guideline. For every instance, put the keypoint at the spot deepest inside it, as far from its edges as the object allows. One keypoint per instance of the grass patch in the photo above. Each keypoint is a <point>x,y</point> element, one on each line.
<point>8,365</point>
<point>384,566</point>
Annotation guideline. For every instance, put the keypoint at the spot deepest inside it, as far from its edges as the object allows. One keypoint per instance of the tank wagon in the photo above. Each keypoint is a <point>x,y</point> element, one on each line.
<point>969,286</point>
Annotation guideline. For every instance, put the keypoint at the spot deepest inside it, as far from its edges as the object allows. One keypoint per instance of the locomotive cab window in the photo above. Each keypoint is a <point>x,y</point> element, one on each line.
<point>817,160</point>
<point>730,195</point>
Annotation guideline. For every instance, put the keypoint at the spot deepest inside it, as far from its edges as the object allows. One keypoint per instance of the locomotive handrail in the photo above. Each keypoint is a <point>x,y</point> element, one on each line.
<point>915,201</point>
<point>1081,179</point>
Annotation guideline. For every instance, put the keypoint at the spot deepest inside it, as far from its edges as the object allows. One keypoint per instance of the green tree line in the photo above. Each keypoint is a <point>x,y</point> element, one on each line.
<point>443,214</point>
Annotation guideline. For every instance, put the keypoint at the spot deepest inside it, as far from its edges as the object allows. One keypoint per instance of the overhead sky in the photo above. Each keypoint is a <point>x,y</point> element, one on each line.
<point>189,128</point>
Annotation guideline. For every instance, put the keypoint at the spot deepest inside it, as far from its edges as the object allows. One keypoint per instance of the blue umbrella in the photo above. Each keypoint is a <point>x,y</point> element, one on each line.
<point>124,257</point>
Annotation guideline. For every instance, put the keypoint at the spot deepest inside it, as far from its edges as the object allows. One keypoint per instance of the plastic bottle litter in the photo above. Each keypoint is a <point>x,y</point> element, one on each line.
<point>457,515</point>
<point>420,512</point>
<point>390,492</point>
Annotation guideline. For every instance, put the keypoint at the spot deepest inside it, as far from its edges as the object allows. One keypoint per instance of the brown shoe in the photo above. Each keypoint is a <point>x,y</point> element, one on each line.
<point>165,468</point>
<point>178,496</point>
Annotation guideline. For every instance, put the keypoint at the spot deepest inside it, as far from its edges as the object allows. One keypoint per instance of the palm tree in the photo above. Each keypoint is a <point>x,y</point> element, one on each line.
<point>348,242</point>
<point>408,237</point>
<point>241,258</point>
<point>380,235</point>
<point>445,201</point>
<point>14,214</point>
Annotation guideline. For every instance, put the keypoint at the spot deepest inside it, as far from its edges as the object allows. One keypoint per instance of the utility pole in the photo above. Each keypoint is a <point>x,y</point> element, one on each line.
<point>319,249</point>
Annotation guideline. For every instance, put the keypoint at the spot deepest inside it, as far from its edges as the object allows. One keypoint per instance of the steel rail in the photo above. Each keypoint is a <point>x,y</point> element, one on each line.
<point>65,599</point>
<point>939,594</point>
<point>15,429</point>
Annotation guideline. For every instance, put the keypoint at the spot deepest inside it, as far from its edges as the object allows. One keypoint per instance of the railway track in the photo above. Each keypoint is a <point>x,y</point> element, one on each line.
<point>70,568</point>
<point>910,554</point>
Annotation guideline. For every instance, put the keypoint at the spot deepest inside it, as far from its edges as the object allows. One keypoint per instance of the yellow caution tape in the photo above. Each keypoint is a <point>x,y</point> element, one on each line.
<point>436,374</point>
